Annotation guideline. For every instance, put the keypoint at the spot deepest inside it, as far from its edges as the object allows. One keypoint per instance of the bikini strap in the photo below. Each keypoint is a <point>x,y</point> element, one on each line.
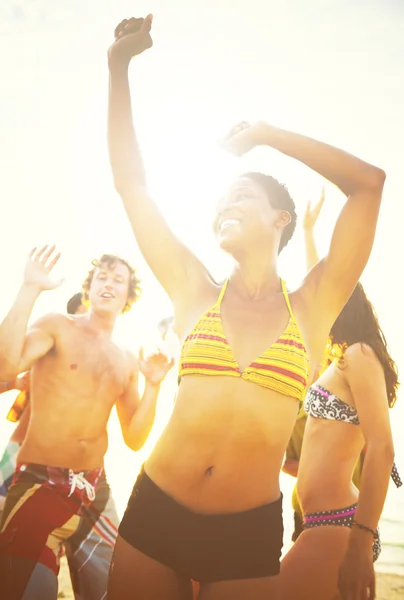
<point>286,296</point>
<point>222,292</point>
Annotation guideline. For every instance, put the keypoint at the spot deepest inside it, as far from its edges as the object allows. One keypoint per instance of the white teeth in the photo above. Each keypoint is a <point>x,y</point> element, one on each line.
<point>228,223</point>
<point>106,296</point>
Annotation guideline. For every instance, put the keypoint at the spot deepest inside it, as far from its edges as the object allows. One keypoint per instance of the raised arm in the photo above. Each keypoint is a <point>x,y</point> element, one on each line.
<point>136,415</point>
<point>354,232</point>
<point>176,268</point>
<point>19,348</point>
<point>309,221</point>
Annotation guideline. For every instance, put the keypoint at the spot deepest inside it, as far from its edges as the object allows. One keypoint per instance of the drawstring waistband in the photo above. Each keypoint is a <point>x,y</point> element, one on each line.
<point>77,480</point>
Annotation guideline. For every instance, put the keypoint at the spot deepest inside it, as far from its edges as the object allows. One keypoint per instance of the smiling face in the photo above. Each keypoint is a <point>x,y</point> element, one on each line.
<point>109,288</point>
<point>245,218</point>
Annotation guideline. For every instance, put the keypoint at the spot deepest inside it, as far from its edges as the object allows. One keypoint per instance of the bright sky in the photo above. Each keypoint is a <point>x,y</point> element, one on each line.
<point>330,69</point>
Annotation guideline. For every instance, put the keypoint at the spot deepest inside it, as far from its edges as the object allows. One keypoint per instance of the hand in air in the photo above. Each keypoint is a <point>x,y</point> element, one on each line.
<point>356,577</point>
<point>155,367</point>
<point>244,137</point>
<point>311,214</point>
<point>132,37</point>
<point>39,266</point>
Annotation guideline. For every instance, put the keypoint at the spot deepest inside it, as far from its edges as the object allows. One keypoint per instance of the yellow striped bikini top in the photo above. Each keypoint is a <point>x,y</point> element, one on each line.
<point>284,367</point>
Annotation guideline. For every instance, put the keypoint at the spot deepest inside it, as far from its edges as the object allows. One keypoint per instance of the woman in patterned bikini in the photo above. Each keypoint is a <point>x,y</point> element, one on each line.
<point>347,409</point>
<point>207,504</point>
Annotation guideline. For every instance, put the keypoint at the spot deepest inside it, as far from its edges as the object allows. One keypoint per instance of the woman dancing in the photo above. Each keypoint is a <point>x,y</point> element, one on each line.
<point>207,504</point>
<point>347,409</point>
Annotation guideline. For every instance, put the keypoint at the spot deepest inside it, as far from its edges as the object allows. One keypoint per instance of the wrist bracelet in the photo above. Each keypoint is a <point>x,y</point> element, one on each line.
<point>364,528</point>
<point>10,385</point>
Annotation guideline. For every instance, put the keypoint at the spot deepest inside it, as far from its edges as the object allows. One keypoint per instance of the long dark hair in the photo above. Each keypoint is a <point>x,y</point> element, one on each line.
<point>358,323</point>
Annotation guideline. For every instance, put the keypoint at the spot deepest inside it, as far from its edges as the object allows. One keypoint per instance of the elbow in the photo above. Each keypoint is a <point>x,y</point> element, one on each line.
<point>374,180</point>
<point>383,448</point>
<point>135,445</point>
<point>371,180</point>
<point>378,178</point>
<point>134,442</point>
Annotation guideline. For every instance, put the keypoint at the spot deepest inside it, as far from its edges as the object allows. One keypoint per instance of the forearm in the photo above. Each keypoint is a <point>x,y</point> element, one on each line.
<point>142,420</point>
<point>346,171</point>
<point>312,257</point>
<point>373,488</point>
<point>6,386</point>
<point>13,330</point>
<point>124,151</point>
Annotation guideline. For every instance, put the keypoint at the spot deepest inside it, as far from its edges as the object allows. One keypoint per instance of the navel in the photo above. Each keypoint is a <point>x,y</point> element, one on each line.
<point>209,471</point>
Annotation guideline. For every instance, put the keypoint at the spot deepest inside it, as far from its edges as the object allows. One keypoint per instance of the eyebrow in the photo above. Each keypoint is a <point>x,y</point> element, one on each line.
<point>244,187</point>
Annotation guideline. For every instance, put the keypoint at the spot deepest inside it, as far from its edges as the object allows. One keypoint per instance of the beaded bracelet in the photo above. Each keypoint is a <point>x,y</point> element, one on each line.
<point>364,528</point>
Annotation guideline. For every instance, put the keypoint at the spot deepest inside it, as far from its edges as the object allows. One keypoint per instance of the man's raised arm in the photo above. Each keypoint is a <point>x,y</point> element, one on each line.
<point>19,350</point>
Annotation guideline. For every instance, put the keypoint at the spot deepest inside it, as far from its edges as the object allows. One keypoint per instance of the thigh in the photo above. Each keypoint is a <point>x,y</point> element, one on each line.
<point>135,575</point>
<point>263,588</point>
<point>310,568</point>
<point>89,564</point>
<point>23,579</point>
<point>35,521</point>
<point>7,469</point>
<point>89,557</point>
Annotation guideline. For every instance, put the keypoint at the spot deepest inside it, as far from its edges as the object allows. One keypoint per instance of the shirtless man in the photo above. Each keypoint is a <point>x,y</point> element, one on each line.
<point>20,411</point>
<point>78,374</point>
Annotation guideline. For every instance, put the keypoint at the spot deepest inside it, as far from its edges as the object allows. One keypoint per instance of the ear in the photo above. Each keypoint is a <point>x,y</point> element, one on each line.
<point>284,218</point>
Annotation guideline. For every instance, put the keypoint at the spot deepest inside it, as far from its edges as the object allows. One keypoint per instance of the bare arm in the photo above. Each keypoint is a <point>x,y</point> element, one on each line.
<point>309,221</point>
<point>366,380</point>
<point>354,232</point>
<point>353,235</point>
<point>367,383</point>
<point>19,350</point>
<point>19,383</point>
<point>6,386</point>
<point>173,264</point>
<point>137,416</point>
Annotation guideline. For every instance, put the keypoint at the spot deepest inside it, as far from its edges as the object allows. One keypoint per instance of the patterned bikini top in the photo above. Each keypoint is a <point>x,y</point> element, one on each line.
<point>284,367</point>
<point>322,404</point>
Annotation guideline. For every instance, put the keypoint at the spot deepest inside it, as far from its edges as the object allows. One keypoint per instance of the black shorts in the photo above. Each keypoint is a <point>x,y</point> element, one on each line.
<point>203,547</point>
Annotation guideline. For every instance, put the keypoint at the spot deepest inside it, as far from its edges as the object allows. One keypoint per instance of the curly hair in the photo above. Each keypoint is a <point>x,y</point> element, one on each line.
<point>279,198</point>
<point>358,323</point>
<point>134,289</point>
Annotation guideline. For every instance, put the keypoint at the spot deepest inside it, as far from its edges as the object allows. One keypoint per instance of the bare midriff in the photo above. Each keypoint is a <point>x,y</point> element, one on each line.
<point>223,447</point>
<point>328,459</point>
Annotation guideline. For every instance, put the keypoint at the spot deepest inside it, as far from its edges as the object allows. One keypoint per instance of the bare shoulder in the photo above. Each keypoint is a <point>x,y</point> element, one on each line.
<point>50,322</point>
<point>361,354</point>
<point>360,361</point>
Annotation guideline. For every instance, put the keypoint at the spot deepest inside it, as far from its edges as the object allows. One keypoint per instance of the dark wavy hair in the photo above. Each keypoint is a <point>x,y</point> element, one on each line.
<point>279,197</point>
<point>134,289</point>
<point>358,323</point>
